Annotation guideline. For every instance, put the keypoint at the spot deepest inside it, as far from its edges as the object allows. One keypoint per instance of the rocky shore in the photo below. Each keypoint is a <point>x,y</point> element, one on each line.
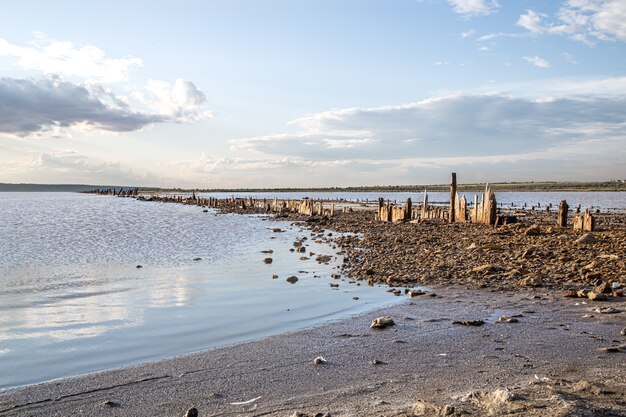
<point>524,319</point>
<point>531,253</point>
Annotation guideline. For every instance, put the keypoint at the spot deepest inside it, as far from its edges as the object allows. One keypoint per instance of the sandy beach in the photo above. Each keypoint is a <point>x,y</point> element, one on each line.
<point>483,341</point>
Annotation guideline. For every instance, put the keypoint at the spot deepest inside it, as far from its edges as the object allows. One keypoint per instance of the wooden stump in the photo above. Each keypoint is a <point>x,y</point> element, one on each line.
<point>561,219</point>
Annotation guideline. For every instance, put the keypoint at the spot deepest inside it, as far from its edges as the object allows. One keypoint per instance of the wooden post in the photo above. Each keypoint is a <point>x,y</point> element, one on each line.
<point>452,197</point>
<point>408,209</point>
<point>561,220</point>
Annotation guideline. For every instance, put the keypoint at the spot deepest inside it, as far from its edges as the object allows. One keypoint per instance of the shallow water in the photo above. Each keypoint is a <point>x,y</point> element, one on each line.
<point>73,301</point>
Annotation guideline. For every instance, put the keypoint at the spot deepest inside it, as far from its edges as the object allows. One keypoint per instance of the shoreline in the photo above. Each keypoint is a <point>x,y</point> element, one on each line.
<point>498,366</point>
<point>514,358</point>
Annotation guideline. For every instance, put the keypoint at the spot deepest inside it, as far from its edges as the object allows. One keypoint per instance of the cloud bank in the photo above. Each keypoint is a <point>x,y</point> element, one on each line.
<point>447,126</point>
<point>50,106</point>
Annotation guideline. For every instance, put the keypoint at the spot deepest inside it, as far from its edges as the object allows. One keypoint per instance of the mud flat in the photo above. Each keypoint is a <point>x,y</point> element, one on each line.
<point>558,357</point>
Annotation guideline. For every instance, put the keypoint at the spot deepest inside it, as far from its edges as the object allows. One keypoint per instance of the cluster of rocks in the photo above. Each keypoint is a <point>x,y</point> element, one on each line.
<point>531,253</point>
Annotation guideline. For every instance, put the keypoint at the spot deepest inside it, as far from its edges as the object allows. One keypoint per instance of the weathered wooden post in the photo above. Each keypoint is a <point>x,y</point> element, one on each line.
<point>408,209</point>
<point>561,219</point>
<point>452,216</point>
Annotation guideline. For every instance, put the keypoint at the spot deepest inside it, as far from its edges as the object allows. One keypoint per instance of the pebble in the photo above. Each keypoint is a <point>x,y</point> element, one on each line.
<point>382,322</point>
<point>192,412</point>
<point>508,319</point>
<point>268,260</point>
<point>469,322</point>
<point>292,279</point>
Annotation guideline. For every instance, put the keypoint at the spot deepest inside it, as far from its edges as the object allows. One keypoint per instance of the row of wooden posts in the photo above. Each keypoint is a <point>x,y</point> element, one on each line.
<point>483,211</point>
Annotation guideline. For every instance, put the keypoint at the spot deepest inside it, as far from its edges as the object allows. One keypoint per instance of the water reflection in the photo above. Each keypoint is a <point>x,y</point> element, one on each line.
<point>72,300</point>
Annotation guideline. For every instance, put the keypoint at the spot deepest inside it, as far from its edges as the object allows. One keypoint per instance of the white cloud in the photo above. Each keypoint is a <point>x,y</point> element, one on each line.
<point>51,107</point>
<point>530,21</point>
<point>474,7</point>
<point>182,101</point>
<point>587,21</point>
<point>468,34</point>
<point>537,61</point>
<point>66,58</point>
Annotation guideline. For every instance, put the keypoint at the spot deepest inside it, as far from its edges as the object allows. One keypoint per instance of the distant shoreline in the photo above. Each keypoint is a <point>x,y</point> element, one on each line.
<point>544,186</point>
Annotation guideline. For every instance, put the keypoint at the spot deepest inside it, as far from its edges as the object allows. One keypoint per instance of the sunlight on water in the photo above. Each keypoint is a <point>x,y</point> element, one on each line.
<point>72,299</point>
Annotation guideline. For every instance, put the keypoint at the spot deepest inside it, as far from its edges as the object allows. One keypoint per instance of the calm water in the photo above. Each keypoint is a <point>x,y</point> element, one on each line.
<point>601,200</point>
<point>72,300</point>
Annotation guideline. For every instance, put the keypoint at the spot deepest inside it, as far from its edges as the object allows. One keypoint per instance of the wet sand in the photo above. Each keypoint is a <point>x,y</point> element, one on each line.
<point>532,367</point>
<point>562,356</point>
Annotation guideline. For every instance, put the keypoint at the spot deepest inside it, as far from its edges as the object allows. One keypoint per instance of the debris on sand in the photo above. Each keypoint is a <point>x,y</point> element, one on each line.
<point>268,260</point>
<point>382,322</point>
<point>292,279</point>
<point>246,402</point>
<point>319,361</point>
<point>469,322</point>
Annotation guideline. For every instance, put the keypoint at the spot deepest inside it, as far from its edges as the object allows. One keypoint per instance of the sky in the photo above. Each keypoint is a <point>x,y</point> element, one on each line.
<point>324,93</point>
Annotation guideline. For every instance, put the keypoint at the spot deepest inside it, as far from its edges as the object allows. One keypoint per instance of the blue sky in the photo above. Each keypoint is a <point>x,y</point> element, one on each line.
<point>324,93</point>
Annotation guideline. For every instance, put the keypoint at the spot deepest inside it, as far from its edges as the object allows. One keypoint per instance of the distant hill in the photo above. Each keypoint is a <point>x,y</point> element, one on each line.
<point>76,188</point>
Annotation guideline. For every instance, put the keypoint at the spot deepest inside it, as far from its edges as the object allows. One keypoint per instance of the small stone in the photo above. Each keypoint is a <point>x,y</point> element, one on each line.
<point>530,281</point>
<point>319,361</point>
<point>274,276</point>
<point>507,319</point>
<point>533,230</point>
<point>268,260</point>
<point>606,310</point>
<point>623,332</point>
<point>355,298</point>
<point>415,293</point>
<point>484,269</point>
<point>594,296</point>
<point>469,322</point>
<point>382,322</point>
<point>334,285</point>
<point>192,412</point>
<point>292,279</point>
<point>610,349</point>
<point>109,404</point>
<point>377,362</point>
<point>570,294</point>
<point>197,259</point>
<point>447,410</point>
<point>267,251</point>
<point>604,288</point>
<point>277,230</point>
<point>139,266</point>
<point>586,239</point>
